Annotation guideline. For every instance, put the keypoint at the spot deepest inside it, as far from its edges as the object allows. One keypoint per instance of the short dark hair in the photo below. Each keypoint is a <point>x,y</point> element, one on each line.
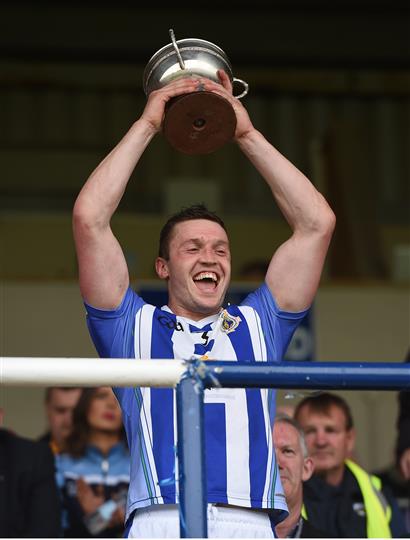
<point>49,391</point>
<point>197,211</point>
<point>322,403</point>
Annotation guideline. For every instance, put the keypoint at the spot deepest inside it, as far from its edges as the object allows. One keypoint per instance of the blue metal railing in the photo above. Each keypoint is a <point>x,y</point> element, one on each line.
<point>291,375</point>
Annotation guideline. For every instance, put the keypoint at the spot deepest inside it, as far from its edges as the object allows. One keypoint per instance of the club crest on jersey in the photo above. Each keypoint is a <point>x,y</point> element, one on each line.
<point>229,322</point>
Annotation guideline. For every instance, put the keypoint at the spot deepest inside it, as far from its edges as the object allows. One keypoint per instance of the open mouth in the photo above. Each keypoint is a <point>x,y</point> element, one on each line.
<point>206,281</point>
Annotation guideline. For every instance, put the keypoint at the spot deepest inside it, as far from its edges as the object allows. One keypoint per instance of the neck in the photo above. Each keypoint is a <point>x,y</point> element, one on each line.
<point>333,477</point>
<point>103,440</point>
<point>181,311</point>
<point>287,525</point>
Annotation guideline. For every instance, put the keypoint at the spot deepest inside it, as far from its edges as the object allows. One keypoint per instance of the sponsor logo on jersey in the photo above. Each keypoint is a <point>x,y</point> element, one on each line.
<point>171,323</point>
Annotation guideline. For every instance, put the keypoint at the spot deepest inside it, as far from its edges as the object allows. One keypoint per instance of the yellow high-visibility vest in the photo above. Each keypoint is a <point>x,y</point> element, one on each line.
<point>378,511</point>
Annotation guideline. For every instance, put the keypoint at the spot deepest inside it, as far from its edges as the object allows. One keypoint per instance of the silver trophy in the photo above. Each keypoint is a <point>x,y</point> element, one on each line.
<point>198,122</point>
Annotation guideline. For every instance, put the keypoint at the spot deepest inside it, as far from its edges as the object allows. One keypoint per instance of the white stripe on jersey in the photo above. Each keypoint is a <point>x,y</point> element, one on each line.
<point>236,425</point>
<point>146,424</point>
<point>143,325</point>
<point>268,487</point>
<point>223,348</point>
<point>183,343</point>
<point>143,331</point>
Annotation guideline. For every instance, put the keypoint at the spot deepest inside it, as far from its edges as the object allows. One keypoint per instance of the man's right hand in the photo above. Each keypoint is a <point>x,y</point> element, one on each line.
<point>154,110</point>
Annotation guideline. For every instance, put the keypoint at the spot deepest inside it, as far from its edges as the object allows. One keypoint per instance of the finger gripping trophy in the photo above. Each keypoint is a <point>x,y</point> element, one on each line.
<point>199,122</point>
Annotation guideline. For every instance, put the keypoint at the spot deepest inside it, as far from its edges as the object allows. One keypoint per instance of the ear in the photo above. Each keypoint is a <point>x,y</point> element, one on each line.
<point>351,440</point>
<point>161,268</point>
<point>308,468</point>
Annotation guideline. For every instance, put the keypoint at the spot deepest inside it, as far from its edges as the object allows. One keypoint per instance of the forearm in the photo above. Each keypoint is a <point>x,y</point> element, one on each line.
<point>105,187</point>
<point>295,269</point>
<point>302,205</point>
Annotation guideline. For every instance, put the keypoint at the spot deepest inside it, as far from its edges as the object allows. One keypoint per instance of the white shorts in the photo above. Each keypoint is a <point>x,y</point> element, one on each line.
<point>162,521</point>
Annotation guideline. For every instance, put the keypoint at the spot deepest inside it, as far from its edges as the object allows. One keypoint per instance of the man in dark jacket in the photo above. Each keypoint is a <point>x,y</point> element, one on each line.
<point>29,500</point>
<point>401,484</point>
<point>342,497</point>
<point>403,428</point>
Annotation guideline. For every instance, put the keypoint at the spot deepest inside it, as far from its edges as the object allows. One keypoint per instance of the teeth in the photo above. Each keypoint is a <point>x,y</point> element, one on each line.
<point>206,275</point>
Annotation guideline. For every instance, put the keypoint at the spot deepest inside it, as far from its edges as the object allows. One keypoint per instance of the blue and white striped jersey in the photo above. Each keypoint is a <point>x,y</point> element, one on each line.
<point>241,465</point>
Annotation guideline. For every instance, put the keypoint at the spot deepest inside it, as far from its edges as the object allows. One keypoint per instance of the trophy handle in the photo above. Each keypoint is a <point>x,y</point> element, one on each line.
<point>175,45</point>
<point>245,87</point>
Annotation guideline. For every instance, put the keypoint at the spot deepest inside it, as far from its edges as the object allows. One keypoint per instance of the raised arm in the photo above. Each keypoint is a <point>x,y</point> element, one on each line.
<point>294,272</point>
<point>103,271</point>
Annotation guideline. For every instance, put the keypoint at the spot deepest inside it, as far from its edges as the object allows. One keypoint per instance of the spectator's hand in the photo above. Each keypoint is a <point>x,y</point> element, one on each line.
<point>118,517</point>
<point>88,499</point>
<point>405,464</point>
<point>154,110</point>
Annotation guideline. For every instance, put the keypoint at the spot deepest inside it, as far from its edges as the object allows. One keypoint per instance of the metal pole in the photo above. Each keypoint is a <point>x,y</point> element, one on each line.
<point>26,371</point>
<point>191,458</point>
<point>313,375</point>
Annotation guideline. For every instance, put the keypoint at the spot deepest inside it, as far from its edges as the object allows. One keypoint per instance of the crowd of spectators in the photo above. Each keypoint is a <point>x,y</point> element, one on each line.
<point>73,481</point>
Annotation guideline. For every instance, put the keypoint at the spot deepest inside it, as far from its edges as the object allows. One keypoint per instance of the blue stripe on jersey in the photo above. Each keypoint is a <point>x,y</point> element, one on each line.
<point>162,409</point>
<point>202,349</point>
<point>241,337</point>
<point>214,416</point>
<point>271,406</point>
<point>258,456</point>
<point>196,330</point>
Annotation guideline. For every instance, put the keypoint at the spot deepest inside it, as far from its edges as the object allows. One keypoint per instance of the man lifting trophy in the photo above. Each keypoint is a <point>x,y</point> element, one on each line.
<point>189,98</point>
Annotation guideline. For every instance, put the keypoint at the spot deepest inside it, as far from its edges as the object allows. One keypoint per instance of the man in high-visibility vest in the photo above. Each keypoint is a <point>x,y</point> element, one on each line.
<point>341,497</point>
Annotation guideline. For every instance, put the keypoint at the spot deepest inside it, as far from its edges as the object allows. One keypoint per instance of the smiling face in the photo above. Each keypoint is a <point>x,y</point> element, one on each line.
<point>328,439</point>
<point>198,269</point>
<point>294,467</point>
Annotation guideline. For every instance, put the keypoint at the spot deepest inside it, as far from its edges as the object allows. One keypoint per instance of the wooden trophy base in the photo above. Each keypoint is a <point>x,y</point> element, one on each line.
<point>199,123</point>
